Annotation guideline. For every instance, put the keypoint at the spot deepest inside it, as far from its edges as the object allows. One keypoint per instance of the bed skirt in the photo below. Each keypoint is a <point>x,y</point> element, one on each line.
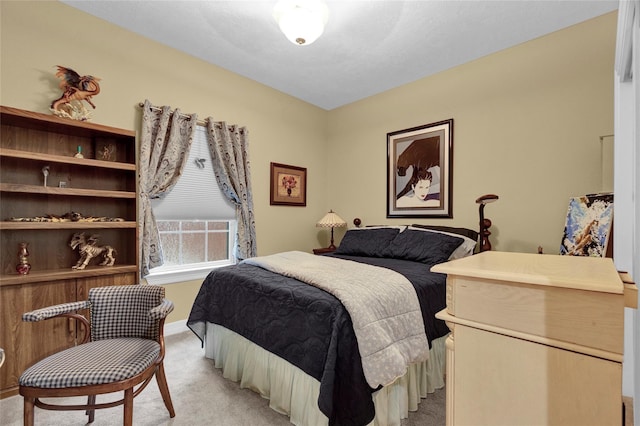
<point>294,393</point>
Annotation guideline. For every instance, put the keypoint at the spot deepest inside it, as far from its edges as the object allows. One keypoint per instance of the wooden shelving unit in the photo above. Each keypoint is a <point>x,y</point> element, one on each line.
<point>103,189</point>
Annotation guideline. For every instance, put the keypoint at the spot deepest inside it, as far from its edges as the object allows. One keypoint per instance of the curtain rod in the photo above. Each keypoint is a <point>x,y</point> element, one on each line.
<point>198,122</point>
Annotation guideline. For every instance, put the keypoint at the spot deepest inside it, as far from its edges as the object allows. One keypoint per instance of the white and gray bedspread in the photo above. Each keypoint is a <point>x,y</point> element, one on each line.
<point>382,303</point>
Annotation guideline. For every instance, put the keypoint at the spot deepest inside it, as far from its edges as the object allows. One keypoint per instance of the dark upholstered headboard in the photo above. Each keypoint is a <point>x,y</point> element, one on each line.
<point>470,233</point>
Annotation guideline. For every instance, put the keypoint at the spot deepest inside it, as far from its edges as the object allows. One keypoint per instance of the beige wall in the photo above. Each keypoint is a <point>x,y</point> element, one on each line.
<point>527,123</point>
<point>37,36</point>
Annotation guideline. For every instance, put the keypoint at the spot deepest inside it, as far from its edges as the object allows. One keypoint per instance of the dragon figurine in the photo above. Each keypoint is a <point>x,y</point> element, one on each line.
<point>75,89</point>
<point>88,249</point>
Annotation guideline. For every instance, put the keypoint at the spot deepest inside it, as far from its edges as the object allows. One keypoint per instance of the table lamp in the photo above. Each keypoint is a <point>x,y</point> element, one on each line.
<point>485,224</point>
<point>331,220</point>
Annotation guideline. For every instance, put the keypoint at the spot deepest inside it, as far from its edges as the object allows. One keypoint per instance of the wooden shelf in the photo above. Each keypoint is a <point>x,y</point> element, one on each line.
<point>67,225</point>
<point>75,192</point>
<point>51,123</point>
<point>14,153</point>
<point>65,274</point>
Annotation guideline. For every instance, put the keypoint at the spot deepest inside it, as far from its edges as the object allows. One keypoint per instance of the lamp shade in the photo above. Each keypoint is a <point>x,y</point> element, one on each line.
<point>488,198</point>
<point>301,21</point>
<point>331,220</point>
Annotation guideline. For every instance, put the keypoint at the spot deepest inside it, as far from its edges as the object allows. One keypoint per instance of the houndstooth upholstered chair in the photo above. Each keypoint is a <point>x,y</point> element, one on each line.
<point>123,347</point>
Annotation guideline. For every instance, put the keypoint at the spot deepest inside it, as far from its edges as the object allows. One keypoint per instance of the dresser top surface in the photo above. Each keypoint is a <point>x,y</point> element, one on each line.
<point>576,272</point>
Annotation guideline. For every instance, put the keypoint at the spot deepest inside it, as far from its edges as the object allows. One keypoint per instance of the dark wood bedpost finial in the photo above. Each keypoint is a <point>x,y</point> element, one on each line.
<point>357,222</point>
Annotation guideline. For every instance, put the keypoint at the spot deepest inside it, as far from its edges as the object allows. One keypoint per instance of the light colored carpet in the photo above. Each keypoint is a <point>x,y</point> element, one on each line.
<point>201,396</point>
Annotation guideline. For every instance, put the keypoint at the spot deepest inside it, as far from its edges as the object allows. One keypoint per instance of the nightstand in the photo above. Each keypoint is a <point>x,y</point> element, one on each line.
<point>324,250</point>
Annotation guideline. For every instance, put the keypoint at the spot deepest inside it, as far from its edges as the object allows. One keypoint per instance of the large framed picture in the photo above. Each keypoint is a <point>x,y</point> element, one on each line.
<point>420,171</point>
<point>288,185</point>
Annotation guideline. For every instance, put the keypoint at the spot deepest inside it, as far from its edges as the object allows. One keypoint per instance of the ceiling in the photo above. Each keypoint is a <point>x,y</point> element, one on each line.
<point>367,47</point>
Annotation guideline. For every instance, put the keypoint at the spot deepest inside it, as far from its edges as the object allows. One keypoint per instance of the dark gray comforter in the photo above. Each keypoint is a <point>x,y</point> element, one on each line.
<point>309,327</point>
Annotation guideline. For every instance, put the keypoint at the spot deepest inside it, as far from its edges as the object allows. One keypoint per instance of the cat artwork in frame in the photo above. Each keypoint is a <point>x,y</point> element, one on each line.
<point>588,227</point>
<point>420,171</point>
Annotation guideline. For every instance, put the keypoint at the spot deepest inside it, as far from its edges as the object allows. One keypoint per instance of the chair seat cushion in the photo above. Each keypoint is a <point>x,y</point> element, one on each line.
<point>93,363</point>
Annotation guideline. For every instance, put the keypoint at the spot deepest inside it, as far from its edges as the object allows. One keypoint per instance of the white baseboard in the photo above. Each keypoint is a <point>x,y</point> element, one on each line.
<point>175,327</point>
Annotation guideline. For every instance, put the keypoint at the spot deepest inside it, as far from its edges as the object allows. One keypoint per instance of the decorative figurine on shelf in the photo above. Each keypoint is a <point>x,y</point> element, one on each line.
<point>75,89</point>
<point>24,266</point>
<point>67,217</point>
<point>88,249</point>
<point>79,152</point>
<point>45,173</point>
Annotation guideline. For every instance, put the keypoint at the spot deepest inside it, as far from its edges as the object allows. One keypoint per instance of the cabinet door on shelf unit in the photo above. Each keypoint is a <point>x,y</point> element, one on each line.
<point>86,284</point>
<point>27,342</point>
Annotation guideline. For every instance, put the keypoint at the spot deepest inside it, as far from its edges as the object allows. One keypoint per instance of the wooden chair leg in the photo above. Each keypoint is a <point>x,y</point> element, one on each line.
<point>128,407</point>
<point>28,411</point>
<point>161,378</point>
<point>91,400</point>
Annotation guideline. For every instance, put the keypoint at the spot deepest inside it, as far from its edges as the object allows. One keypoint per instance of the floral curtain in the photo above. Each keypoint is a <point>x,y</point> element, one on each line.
<point>164,148</point>
<point>229,147</point>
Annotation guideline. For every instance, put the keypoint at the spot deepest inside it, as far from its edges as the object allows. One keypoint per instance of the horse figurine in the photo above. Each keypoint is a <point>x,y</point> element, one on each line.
<point>88,250</point>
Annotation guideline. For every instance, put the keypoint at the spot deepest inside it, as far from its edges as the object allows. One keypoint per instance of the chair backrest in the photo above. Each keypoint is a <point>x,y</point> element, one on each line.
<point>123,311</point>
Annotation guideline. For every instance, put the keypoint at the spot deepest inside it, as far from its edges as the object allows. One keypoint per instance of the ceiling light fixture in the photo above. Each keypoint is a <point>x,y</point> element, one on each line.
<point>301,21</point>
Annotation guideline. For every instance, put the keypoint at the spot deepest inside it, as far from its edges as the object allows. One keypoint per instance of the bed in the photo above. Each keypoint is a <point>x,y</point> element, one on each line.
<point>318,356</point>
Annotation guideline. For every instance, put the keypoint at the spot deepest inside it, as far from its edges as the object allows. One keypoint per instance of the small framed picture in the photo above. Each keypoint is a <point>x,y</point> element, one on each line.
<point>105,150</point>
<point>288,185</point>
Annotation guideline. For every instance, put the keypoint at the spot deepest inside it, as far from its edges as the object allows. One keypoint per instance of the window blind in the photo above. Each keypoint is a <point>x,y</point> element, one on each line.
<point>197,195</point>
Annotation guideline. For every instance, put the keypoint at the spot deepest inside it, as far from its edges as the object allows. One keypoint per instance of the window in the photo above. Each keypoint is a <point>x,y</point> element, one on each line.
<point>196,223</point>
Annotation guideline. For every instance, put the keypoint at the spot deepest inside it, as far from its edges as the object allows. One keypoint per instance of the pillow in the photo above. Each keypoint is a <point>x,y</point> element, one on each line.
<point>465,249</point>
<point>465,232</point>
<point>400,228</point>
<point>424,247</point>
<point>370,242</point>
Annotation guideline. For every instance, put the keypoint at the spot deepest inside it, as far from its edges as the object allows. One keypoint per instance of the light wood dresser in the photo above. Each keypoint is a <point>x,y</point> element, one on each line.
<point>535,340</point>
